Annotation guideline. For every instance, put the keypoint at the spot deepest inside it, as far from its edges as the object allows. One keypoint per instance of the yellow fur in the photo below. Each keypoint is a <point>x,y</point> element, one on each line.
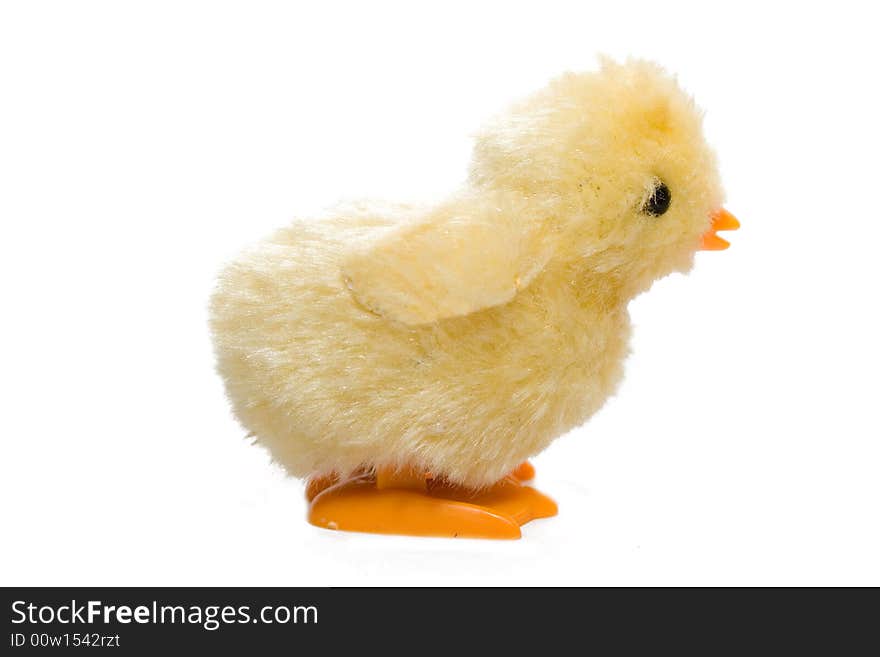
<point>465,337</point>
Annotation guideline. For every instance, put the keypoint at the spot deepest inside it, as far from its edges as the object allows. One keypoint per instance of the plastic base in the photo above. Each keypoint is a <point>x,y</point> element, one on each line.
<point>416,504</point>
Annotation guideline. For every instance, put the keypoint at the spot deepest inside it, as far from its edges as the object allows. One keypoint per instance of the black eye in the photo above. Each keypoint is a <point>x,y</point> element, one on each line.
<point>659,201</point>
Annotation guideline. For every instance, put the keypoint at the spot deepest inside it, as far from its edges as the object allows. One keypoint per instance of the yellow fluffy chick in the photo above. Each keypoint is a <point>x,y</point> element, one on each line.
<point>462,338</point>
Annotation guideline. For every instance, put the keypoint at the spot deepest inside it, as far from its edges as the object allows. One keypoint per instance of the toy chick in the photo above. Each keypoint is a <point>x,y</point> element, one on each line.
<point>410,360</point>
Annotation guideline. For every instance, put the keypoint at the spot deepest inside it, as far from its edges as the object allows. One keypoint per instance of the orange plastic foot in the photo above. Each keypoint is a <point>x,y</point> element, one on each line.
<point>401,504</point>
<point>525,471</point>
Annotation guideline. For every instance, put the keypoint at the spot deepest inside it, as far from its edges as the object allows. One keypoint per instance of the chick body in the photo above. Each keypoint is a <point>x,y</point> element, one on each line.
<point>329,386</point>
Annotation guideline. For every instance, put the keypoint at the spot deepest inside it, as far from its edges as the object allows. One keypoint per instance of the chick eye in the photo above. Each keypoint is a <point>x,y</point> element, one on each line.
<point>659,201</point>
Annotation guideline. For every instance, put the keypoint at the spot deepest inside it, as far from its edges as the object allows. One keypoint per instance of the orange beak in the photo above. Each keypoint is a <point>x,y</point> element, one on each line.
<point>721,220</point>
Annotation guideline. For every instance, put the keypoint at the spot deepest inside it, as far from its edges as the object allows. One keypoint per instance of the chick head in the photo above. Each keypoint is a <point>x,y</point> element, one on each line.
<point>615,165</point>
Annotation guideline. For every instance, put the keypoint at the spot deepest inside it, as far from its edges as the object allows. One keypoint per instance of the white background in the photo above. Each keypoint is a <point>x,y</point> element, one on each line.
<point>144,144</point>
